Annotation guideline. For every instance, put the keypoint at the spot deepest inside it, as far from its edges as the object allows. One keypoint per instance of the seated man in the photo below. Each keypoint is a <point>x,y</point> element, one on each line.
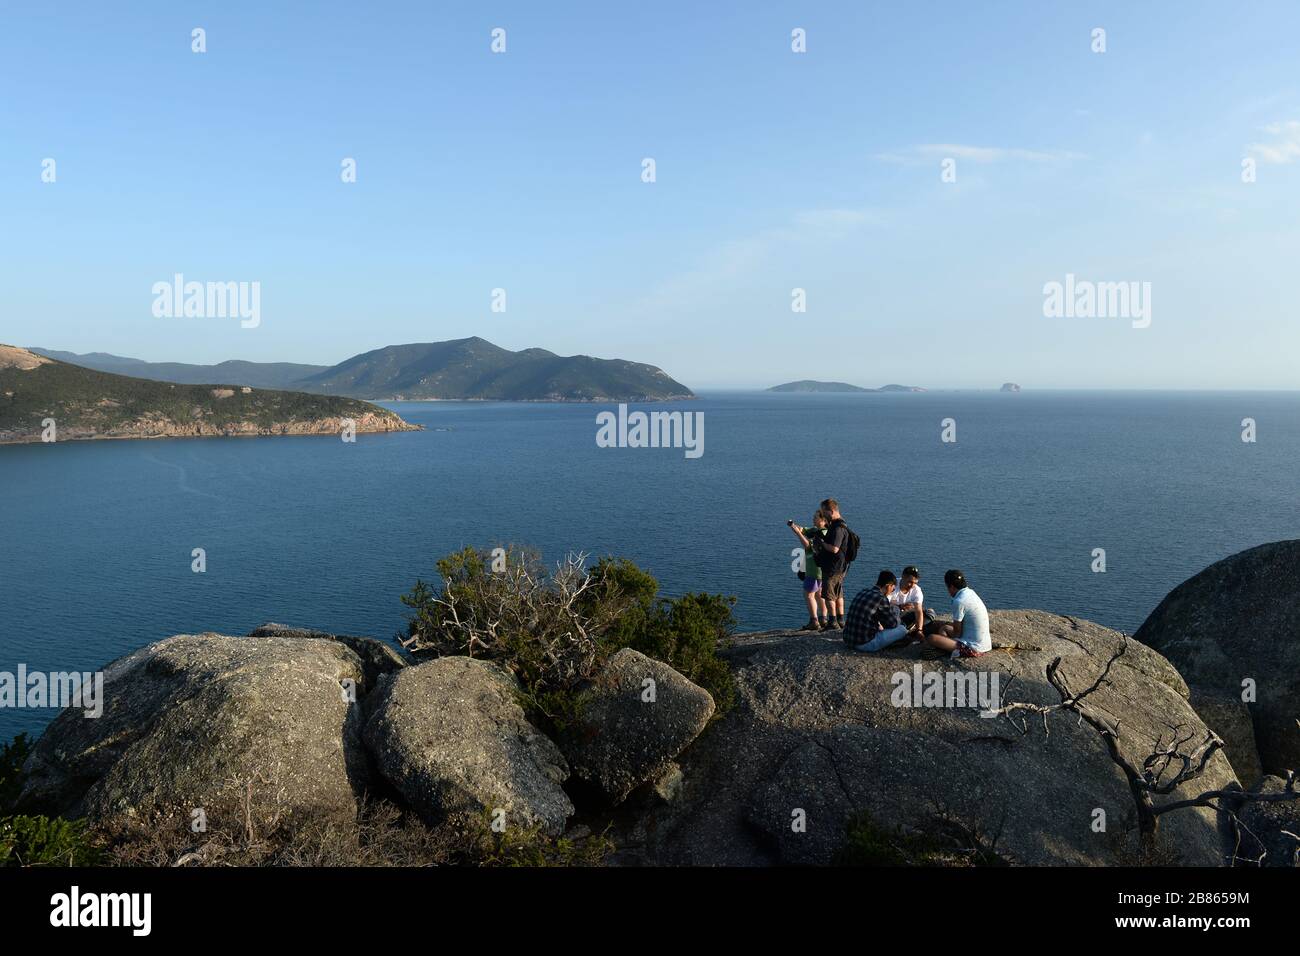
<point>872,622</point>
<point>910,601</point>
<point>968,634</point>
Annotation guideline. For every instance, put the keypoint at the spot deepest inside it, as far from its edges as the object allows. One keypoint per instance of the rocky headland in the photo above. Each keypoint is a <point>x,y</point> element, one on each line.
<point>46,400</point>
<point>1068,744</point>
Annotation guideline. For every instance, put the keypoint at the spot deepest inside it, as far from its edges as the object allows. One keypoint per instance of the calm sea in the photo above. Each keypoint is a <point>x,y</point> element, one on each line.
<point>95,550</point>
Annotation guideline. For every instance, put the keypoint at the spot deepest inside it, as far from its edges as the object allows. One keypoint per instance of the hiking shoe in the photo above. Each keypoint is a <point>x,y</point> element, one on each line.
<point>811,626</point>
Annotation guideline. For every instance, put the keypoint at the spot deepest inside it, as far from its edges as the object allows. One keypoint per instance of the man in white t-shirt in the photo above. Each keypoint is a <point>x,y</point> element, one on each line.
<point>909,599</point>
<point>968,633</point>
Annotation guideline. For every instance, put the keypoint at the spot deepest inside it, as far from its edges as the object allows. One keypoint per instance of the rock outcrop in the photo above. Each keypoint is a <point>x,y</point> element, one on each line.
<point>451,738</point>
<point>903,747</point>
<point>160,426</point>
<point>213,722</point>
<point>819,733</point>
<point>1232,628</point>
<point>21,359</point>
<point>377,657</point>
<point>1229,717</point>
<point>637,715</point>
<point>1271,831</point>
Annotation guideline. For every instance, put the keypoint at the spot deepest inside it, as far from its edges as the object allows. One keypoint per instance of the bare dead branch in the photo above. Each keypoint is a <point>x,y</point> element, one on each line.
<point>1153,777</point>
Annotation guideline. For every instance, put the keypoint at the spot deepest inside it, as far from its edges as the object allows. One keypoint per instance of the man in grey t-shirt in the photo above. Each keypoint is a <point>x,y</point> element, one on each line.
<point>968,633</point>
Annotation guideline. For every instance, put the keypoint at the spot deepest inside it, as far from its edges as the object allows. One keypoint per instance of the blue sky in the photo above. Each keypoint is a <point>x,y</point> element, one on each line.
<point>774,170</point>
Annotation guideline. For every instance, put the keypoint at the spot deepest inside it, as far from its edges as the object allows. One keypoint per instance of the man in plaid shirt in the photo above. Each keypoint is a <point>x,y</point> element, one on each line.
<point>872,622</point>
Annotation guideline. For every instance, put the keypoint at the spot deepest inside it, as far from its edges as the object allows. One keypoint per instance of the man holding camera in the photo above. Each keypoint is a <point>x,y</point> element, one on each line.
<point>833,554</point>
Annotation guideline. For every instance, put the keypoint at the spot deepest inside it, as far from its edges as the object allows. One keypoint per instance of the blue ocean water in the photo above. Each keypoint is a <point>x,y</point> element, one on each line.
<point>96,537</point>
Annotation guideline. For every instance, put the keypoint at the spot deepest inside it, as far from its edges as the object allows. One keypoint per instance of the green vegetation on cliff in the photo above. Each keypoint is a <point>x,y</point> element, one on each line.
<point>88,404</point>
<point>474,368</point>
<point>36,840</point>
<point>554,629</point>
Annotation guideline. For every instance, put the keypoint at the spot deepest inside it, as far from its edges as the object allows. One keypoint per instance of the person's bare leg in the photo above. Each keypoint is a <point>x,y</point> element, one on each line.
<point>938,634</point>
<point>941,642</point>
<point>810,598</point>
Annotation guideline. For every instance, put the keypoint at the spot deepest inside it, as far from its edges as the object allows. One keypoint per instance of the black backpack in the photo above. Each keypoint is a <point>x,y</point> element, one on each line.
<point>851,545</point>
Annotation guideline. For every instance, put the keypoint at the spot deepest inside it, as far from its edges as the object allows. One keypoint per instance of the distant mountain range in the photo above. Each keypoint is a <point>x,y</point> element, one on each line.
<point>808,385</point>
<point>471,368</point>
<point>256,374</point>
<point>41,397</point>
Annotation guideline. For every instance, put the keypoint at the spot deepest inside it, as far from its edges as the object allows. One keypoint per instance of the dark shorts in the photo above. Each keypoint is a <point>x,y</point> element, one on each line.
<point>833,586</point>
<point>909,617</point>
<point>812,585</point>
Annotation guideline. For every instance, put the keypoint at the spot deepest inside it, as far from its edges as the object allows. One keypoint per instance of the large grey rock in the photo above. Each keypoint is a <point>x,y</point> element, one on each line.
<point>377,657</point>
<point>213,722</point>
<point>621,738</point>
<point>1229,717</point>
<point>451,737</point>
<point>1271,828</point>
<point>815,737</point>
<point>1236,620</point>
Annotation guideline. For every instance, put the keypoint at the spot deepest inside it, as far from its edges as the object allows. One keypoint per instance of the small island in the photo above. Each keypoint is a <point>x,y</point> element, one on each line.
<point>42,399</point>
<point>809,385</point>
<point>1010,387</point>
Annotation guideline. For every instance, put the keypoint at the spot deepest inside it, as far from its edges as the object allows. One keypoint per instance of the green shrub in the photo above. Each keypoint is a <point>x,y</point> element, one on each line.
<point>620,583</point>
<point>554,629</point>
<point>35,840</point>
<point>533,848</point>
<point>534,621</point>
<point>684,632</point>
<point>12,757</point>
<point>45,841</point>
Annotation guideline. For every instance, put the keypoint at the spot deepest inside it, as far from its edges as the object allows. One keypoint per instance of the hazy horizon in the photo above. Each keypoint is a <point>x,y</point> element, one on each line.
<point>755,387</point>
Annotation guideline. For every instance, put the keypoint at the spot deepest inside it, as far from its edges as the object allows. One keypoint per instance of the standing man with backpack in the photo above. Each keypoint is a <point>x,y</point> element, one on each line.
<point>833,554</point>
